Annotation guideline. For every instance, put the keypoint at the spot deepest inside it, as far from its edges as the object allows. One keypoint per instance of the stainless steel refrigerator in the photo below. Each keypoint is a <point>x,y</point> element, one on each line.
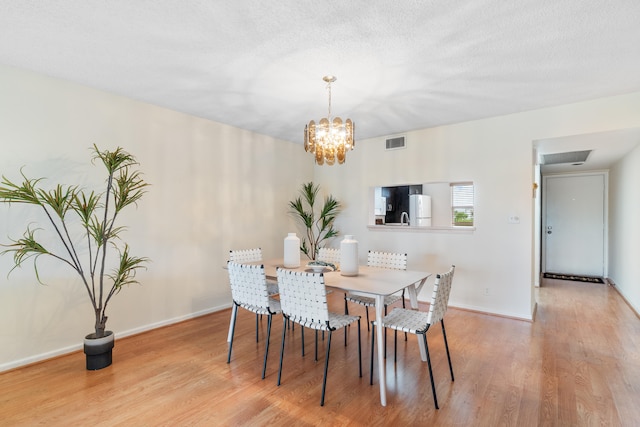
<point>420,210</point>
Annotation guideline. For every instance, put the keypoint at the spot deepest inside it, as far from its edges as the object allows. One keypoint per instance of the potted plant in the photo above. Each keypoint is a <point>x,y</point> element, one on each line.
<point>70,212</point>
<point>317,228</point>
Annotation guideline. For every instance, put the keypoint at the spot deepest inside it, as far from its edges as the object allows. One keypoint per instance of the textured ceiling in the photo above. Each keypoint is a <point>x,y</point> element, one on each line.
<point>401,65</point>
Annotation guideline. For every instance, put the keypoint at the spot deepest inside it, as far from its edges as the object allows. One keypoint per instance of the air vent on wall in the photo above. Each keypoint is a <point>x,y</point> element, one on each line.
<point>395,143</point>
<point>568,157</point>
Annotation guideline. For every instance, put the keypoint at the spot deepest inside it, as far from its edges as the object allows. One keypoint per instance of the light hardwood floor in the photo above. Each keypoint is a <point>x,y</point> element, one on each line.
<point>578,364</point>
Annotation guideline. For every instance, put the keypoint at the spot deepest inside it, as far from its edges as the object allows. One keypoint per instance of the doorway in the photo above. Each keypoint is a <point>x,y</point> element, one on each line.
<point>574,224</point>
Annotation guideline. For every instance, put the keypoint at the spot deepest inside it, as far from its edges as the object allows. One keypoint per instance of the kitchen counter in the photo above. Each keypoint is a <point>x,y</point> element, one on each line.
<point>396,227</point>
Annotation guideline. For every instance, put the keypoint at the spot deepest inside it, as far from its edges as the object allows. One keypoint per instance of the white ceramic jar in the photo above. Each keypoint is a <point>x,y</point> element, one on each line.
<point>291,251</point>
<point>349,256</point>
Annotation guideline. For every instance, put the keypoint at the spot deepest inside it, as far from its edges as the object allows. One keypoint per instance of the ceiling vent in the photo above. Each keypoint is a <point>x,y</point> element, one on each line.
<point>395,143</point>
<point>569,157</point>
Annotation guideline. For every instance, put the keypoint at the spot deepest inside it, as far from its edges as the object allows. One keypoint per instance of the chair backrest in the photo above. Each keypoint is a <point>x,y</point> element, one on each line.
<point>248,284</point>
<point>331,255</point>
<point>389,260</point>
<point>303,296</point>
<point>440,296</point>
<point>245,255</point>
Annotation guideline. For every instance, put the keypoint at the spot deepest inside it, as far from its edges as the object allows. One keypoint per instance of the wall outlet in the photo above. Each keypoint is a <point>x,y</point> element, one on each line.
<point>486,292</point>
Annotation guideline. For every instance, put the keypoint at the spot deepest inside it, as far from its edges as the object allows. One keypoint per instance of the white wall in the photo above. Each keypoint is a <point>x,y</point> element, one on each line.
<point>213,188</point>
<point>496,154</point>
<point>624,227</point>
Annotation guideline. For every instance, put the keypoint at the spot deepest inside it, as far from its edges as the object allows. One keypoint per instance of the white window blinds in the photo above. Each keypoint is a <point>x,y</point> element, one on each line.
<point>462,203</point>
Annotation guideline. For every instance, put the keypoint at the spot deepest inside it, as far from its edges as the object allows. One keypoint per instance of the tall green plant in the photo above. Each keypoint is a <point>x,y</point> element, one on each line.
<point>97,213</point>
<point>318,225</point>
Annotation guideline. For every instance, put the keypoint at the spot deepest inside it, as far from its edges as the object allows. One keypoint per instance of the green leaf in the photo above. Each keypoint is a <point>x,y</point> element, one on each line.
<point>128,189</point>
<point>25,193</point>
<point>85,206</point>
<point>25,248</point>
<point>114,160</point>
<point>59,199</point>
<point>126,271</point>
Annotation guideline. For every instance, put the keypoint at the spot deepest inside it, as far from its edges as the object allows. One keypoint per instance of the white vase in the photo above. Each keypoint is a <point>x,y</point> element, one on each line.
<point>349,256</point>
<point>291,251</point>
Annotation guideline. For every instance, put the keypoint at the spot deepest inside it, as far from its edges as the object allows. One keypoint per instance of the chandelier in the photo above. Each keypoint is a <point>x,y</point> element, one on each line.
<point>329,138</point>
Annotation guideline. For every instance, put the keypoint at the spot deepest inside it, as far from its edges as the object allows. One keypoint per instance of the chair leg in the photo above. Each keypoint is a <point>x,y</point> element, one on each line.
<point>257,317</point>
<point>373,339</point>
<point>385,335</point>
<point>326,368</point>
<point>266,350</point>
<point>346,304</point>
<point>446,346</point>
<point>316,359</point>
<point>367,310</point>
<point>359,348</point>
<point>433,385</point>
<point>403,306</point>
<point>345,335</point>
<point>302,333</point>
<point>395,345</point>
<point>284,333</point>
<point>233,329</point>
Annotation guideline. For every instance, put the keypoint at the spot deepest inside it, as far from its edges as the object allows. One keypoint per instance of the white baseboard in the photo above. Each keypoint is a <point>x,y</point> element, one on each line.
<point>119,334</point>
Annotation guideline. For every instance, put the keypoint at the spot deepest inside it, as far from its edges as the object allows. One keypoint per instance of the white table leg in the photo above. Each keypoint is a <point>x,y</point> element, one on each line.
<point>413,298</point>
<point>233,318</point>
<point>381,361</point>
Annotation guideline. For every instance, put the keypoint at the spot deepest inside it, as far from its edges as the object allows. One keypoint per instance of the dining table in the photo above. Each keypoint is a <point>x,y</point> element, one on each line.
<point>372,281</point>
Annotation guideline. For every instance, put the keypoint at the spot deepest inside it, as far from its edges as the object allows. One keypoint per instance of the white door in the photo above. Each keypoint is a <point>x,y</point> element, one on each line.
<point>573,224</point>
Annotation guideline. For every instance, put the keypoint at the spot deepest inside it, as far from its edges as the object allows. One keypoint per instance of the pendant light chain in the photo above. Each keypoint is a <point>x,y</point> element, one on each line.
<point>329,87</point>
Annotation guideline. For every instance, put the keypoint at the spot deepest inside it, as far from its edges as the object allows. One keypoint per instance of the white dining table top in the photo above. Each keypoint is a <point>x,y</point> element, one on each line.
<point>370,280</point>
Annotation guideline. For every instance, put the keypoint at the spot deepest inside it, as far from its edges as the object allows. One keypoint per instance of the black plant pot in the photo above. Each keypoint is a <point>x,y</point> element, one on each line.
<point>98,350</point>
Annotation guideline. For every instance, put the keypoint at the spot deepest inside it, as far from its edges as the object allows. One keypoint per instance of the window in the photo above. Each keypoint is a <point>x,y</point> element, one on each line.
<point>462,203</point>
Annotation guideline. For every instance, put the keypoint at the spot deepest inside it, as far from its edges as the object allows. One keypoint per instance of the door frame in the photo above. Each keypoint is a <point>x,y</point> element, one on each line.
<point>543,217</point>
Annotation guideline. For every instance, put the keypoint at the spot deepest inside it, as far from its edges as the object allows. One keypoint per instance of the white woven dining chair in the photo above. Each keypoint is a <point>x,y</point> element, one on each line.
<point>391,260</point>
<point>330,255</point>
<point>419,322</point>
<point>303,300</point>
<point>249,291</point>
<point>243,256</point>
